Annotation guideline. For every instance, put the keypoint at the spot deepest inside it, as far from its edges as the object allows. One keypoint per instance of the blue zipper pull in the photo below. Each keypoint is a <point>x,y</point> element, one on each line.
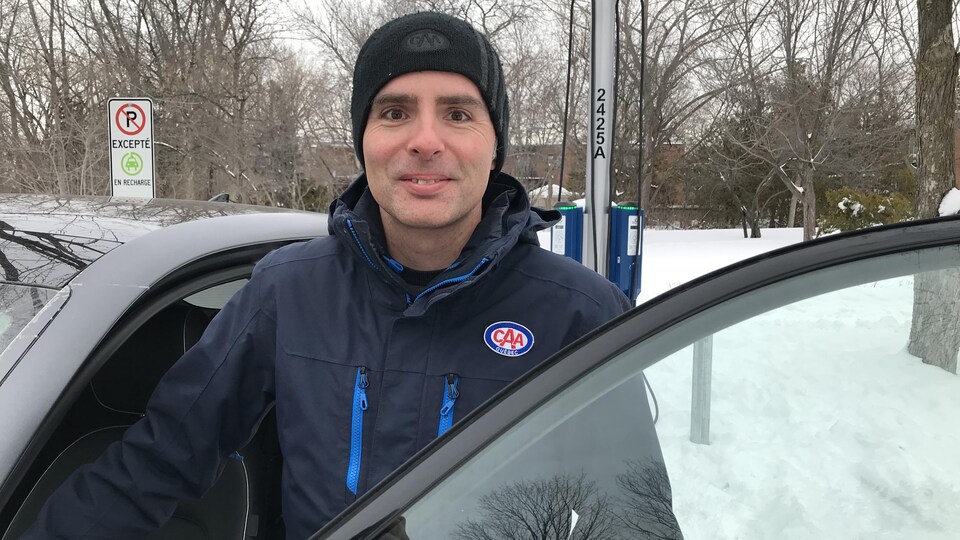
<point>362,385</point>
<point>356,429</point>
<point>450,395</point>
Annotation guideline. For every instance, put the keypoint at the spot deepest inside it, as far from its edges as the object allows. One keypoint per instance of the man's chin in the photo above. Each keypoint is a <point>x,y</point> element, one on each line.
<point>428,221</point>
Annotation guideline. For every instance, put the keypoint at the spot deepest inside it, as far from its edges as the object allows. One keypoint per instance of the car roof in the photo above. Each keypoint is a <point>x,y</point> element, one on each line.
<point>46,240</point>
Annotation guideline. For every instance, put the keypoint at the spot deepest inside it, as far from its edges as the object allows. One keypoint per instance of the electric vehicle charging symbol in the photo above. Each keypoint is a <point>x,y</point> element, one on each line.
<point>131,163</point>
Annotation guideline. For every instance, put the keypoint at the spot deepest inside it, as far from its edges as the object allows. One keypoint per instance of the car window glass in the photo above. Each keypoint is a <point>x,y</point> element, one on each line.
<point>217,296</point>
<point>50,260</point>
<point>813,420</point>
<point>793,410</point>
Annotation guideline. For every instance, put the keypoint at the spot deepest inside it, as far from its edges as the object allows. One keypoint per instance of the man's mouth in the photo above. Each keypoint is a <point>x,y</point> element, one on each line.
<point>424,179</point>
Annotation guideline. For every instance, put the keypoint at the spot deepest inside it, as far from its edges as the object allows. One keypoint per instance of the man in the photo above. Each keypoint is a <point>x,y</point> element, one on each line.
<point>430,295</point>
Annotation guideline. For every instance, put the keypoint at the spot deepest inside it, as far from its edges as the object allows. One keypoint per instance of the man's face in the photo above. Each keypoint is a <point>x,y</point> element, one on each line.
<point>429,147</point>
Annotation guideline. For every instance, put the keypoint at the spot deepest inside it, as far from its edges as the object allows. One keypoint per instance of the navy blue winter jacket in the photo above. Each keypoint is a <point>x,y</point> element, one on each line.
<point>359,367</point>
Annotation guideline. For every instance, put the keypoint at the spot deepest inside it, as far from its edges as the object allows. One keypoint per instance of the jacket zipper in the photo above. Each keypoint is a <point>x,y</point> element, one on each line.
<point>450,395</point>
<point>396,266</point>
<point>356,238</point>
<point>451,281</point>
<point>356,429</point>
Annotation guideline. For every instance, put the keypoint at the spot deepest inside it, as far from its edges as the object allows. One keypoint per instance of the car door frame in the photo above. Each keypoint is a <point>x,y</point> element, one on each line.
<point>419,475</point>
<point>127,282</point>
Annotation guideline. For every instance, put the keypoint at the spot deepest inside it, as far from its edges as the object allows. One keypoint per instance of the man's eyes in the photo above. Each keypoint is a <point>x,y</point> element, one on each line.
<point>397,114</point>
<point>393,114</point>
<point>458,115</point>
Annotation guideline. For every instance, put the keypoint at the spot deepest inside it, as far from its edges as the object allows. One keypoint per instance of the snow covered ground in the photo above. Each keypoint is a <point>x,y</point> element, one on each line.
<point>673,257</point>
<point>822,426</point>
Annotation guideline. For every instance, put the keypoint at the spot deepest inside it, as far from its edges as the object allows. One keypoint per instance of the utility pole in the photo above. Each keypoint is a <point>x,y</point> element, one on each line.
<point>603,51</point>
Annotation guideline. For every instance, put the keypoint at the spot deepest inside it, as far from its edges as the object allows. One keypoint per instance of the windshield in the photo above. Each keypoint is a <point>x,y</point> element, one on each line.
<point>19,304</point>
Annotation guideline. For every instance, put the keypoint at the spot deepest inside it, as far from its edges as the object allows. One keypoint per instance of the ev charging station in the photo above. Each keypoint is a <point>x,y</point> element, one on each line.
<point>626,247</point>
<point>566,237</point>
<point>612,235</point>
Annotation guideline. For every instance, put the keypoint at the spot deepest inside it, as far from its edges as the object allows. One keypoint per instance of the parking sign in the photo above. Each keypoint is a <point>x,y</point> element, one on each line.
<point>131,147</point>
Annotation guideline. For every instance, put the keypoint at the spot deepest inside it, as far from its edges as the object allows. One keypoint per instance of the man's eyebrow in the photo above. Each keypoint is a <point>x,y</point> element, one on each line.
<point>394,99</point>
<point>461,100</point>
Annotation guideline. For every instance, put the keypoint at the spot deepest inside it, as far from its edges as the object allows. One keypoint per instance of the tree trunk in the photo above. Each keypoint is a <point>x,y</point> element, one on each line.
<point>934,332</point>
<point>809,199</point>
<point>755,214</point>
<point>792,217</point>
<point>934,335</point>
<point>936,103</point>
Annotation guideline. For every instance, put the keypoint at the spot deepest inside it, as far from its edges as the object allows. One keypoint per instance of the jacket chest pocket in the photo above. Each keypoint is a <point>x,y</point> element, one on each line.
<point>326,408</point>
<point>447,399</point>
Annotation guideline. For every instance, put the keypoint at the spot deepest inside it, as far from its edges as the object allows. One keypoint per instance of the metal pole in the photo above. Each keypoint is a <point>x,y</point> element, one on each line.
<point>596,231</point>
<point>700,391</point>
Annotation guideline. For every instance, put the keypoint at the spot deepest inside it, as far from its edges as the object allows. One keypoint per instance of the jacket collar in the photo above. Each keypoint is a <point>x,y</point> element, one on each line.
<point>507,219</point>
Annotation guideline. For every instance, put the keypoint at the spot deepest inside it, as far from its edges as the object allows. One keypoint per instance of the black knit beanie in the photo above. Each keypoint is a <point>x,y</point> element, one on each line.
<point>429,42</point>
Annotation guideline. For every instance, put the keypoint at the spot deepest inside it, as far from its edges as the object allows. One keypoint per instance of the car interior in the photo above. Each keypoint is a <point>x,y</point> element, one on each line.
<point>244,502</point>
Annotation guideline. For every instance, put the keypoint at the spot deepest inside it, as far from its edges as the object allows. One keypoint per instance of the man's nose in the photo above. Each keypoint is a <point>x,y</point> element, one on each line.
<point>426,140</point>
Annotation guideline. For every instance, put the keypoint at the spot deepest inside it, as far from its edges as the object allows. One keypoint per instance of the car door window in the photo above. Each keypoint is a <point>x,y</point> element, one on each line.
<point>217,296</point>
<point>117,395</point>
<point>794,410</point>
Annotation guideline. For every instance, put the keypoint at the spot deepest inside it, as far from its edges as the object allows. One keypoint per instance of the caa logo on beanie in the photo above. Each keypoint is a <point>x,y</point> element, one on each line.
<point>425,41</point>
<point>429,42</point>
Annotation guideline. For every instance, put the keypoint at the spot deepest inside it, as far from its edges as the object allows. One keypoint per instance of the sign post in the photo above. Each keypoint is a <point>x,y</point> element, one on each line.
<point>131,147</point>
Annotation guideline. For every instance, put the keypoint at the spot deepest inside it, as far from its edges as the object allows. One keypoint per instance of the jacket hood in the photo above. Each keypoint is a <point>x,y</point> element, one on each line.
<point>508,219</point>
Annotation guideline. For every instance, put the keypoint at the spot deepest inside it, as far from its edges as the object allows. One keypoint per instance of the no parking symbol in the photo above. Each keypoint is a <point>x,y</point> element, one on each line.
<point>130,119</point>
<point>131,147</point>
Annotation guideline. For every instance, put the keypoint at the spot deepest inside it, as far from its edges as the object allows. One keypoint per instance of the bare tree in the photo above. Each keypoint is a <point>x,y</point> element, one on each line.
<point>743,176</point>
<point>820,46</point>
<point>541,510</point>
<point>200,61</point>
<point>645,509</point>
<point>680,80</point>
<point>740,112</point>
<point>48,93</point>
<point>936,304</point>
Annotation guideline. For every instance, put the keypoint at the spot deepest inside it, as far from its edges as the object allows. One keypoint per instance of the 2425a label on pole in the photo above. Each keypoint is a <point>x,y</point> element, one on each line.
<point>131,147</point>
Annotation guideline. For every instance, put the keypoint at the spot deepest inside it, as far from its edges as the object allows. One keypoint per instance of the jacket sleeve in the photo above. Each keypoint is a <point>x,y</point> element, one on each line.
<point>611,303</point>
<point>620,304</point>
<point>205,407</point>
